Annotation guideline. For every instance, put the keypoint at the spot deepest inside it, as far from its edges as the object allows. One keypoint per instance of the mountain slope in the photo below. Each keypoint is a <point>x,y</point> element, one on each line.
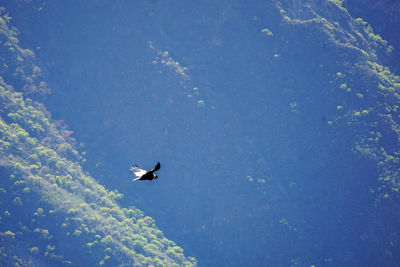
<point>52,212</point>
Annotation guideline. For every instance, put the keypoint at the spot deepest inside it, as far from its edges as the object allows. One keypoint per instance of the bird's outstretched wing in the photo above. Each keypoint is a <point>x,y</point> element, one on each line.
<point>157,167</point>
<point>138,171</point>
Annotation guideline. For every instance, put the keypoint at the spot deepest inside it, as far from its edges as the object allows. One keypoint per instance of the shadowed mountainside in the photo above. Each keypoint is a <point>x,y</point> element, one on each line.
<point>52,212</point>
<point>285,126</point>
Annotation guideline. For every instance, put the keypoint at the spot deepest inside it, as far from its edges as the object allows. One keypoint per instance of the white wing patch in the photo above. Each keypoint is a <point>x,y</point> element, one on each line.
<point>137,171</point>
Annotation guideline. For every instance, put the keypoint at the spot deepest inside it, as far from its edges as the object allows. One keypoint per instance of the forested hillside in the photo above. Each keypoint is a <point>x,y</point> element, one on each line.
<point>52,212</point>
<point>276,124</point>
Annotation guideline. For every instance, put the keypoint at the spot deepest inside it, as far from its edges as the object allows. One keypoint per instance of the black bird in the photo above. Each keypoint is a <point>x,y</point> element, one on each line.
<point>143,174</point>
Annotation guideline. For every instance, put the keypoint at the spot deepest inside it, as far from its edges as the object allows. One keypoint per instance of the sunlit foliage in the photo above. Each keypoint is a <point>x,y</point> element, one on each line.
<point>368,95</point>
<point>163,58</point>
<point>55,210</point>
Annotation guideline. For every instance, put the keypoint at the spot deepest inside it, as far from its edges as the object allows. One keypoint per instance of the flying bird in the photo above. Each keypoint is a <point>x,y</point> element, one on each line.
<point>143,174</point>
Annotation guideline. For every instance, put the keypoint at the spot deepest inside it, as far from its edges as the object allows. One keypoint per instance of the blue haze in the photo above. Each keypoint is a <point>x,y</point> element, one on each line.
<point>256,176</point>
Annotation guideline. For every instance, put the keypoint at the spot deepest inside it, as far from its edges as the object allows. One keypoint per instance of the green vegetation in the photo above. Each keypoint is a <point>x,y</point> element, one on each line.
<point>164,60</point>
<point>201,103</point>
<point>51,208</point>
<point>267,32</point>
<point>369,97</point>
<point>337,2</point>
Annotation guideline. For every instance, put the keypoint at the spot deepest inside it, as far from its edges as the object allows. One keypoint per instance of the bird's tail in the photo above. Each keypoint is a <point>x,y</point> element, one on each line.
<point>136,179</point>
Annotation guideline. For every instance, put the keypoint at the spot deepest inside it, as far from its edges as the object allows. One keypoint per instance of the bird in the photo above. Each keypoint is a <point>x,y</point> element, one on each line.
<point>143,174</point>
